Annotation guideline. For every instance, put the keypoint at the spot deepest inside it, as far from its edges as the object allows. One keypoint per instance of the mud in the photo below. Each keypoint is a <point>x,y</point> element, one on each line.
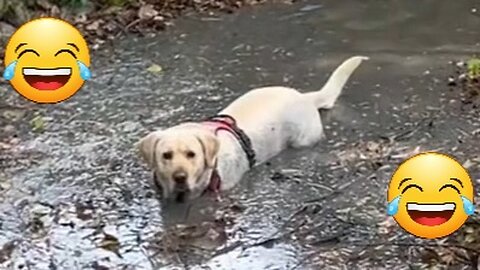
<point>75,195</point>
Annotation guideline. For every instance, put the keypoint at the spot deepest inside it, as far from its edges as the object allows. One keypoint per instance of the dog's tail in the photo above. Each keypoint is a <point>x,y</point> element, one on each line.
<point>326,97</point>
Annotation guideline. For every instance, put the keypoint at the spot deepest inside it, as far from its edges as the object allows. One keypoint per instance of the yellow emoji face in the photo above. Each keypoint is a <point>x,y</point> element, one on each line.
<point>430,195</point>
<point>47,60</point>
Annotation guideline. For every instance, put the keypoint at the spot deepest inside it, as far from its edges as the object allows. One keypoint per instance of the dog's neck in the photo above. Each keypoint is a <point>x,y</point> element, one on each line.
<point>224,122</point>
<point>231,161</point>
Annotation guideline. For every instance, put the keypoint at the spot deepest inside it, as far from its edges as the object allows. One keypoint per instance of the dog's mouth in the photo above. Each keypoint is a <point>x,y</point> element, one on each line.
<point>430,214</point>
<point>181,192</point>
<point>181,196</point>
<point>47,79</point>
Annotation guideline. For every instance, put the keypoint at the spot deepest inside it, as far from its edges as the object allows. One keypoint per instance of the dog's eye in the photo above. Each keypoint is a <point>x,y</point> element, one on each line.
<point>190,154</point>
<point>167,155</point>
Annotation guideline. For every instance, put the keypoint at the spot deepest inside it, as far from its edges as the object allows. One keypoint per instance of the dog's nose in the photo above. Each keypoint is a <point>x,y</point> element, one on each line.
<point>180,177</point>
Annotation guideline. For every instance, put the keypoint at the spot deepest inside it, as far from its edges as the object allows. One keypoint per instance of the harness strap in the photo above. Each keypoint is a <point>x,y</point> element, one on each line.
<point>228,123</point>
<point>215,182</point>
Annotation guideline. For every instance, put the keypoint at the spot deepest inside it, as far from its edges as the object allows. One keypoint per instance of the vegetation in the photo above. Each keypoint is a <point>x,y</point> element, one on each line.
<point>18,11</point>
<point>473,68</point>
<point>100,20</point>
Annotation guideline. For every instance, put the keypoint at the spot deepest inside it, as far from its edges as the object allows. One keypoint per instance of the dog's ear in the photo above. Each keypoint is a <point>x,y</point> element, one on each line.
<point>210,146</point>
<point>147,146</point>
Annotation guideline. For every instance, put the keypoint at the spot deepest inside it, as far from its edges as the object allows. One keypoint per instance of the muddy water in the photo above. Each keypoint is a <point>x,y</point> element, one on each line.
<point>74,195</point>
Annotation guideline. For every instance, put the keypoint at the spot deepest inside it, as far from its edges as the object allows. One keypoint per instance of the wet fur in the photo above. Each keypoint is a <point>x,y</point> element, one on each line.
<point>274,118</point>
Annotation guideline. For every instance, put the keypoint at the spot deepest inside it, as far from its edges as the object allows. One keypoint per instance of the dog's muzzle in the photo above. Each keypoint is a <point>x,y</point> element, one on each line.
<point>180,192</point>
<point>180,181</point>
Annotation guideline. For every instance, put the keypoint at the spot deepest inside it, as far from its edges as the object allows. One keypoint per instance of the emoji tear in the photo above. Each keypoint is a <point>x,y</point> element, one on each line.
<point>392,208</point>
<point>10,71</point>
<point>84,71</point>
<point>468,206</point>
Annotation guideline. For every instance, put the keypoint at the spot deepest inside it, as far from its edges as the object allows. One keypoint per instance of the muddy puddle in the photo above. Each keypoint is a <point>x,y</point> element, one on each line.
<point>75,195</point>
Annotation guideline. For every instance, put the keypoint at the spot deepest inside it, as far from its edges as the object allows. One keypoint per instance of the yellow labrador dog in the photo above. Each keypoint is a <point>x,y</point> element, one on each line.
<point>214,154</point>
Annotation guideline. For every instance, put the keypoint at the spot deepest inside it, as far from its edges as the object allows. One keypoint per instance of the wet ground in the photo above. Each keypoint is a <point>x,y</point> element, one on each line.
<point>75,195</point>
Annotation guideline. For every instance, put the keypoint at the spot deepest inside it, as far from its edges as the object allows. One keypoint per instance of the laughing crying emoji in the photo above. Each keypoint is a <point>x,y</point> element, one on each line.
<point>47,60</point>
<point>430,195</point>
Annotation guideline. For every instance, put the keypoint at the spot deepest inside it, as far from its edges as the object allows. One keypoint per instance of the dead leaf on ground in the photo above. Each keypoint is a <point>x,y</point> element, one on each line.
<point>94,25</point>
<point>13,115</point>
<point>5,146</point>
<point>448,257</point>
<point>430,256</point>
<point>147,12</point>
<point>6,251</point>
<point>110,243</point>
<point>154,68</point>
<point>38,124</point>
<point>5,184</point>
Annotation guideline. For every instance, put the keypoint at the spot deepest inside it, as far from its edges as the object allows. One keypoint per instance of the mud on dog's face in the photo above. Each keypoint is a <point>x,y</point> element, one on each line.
<point>181,160</point>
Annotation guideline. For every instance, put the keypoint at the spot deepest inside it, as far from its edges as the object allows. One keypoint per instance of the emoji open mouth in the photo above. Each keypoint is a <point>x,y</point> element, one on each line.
<point>47,79</point>
<point>430,214</point>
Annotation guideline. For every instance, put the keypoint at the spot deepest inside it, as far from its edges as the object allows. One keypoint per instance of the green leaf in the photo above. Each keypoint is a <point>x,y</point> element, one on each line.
<point>38,124</point>
<point>473,68</point>
<point>155,69</point>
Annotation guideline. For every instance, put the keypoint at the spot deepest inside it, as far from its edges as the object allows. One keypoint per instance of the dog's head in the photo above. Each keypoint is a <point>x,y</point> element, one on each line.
<point>181,159</point>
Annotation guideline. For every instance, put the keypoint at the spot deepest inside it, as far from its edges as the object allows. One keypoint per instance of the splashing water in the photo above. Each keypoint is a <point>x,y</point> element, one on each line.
<point>467,205</point>
<point>392,207</point>
<point>10,71</point>
<point>84,71</point>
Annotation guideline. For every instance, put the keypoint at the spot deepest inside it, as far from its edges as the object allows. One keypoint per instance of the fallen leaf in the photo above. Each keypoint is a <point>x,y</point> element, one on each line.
<point>147,12</point>
<point>448,257</point>
<point>467,164</point>
<point>41,209</point>
<point>14,115</point>
<point>44,4</point>
<point>94,25</point>
<point>110,243</point>
<point>469,229</point>
<point>6,251</point>
<point>430,255</point>
<point>154,68</point>
<point>98,266</point>
<point>5,146</point>
<point>5,184</point>
<point>470,238</point>
<point>38,124</point>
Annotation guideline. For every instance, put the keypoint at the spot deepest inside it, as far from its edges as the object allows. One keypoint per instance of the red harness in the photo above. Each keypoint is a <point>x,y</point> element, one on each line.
<point>215,182</point>
<point>227,123</point>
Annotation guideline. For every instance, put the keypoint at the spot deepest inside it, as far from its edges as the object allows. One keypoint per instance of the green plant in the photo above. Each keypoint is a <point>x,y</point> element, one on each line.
<point>71,3</point>
<point>117,3</point>
<point>473,68</point>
